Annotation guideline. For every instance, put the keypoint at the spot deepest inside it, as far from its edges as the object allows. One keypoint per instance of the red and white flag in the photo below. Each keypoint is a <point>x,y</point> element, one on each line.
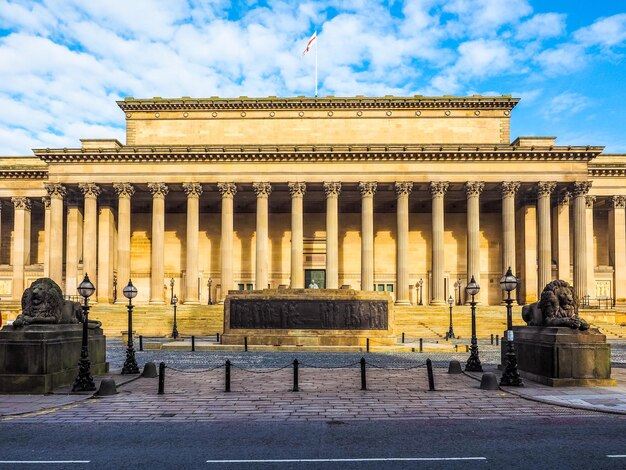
<point>310,43</point>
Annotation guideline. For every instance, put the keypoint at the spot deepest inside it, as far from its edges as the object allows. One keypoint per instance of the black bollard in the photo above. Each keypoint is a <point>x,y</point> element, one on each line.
<point>245,343</point>
<point>227,376</point>
<point>193,343</point>
<point>363,379</point>
<point>431,379</point>
<point>367,345</point>
<point>140,343</point>
<point>295,376</point>
<point>217,337</point>
<point>497,340</point>
<point>403,337</point>
<point>446,337</point>
<point>491,338</point>
<point>161,378</point>
<point>456,347</point>
<point>421,346</point>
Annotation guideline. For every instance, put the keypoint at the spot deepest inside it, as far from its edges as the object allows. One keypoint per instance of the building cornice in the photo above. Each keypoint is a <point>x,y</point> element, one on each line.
<point>505,102</point>
<point>309,153</point>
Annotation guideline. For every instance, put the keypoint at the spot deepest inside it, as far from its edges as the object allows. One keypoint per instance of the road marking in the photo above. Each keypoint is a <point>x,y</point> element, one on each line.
<point>43,461</point>
<point>381,459</point>
<point>617,456</point>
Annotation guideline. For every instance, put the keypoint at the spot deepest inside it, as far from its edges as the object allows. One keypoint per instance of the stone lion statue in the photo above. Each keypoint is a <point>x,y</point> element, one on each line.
<point>558,306</point>
<point>43,304</point>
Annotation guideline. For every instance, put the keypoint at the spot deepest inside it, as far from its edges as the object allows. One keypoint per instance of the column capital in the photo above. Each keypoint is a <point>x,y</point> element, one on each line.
<point>367,188</point>
<point>227,189</point>
<point>262,189</point>
<point>297,189</point>
<point>545,188</point>
<point>509,188</point>
<point>158,189</point>
<point>474,188</point>
<point>192,189</point>
<point>44,200</point>
<point>438,188</point>
<point>564,198</point>
<point>90,189</point>
<point>332,189</point>
<point>403,188</point>
<point>618,202</point>
<point>589,201</point>
<point>124,189</point>
<point>581,188</point>
<point>22,203</point>
<point>56,190</point>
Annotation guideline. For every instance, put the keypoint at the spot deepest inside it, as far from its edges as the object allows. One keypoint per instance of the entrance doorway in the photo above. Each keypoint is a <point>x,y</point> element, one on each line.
<point>317,275</point>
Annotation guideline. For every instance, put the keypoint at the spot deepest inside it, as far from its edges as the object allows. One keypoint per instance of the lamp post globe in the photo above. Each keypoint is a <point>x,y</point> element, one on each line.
<point>473,362</point>
<point>130,364</point>
<point>451,330</point>
<point>84,380</point>
<point>174,302</point>
<point>510,376</point>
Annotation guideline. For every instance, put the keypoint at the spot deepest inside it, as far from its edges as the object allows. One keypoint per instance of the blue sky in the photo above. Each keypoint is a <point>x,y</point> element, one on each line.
<point>63,63</point>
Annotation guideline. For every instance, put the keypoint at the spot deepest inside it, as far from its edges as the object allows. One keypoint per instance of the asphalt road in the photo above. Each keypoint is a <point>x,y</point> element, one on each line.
<point>516,443</point>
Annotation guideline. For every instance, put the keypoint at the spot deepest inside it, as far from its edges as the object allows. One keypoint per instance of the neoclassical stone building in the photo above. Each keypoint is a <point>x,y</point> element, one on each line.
<point>373,193</point>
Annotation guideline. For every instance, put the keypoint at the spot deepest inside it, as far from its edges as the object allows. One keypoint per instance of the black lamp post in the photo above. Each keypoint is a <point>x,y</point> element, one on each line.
<point>458,284</point>
<point>84,380</point>
<point>130,365</point>
<point>420,283</point>
<point>114,288</point>
<point>208,284</point>
<point>451,330</point>
<point>174,329</point>
<point>510,376</point>
<point>473,362</point>
<point>172,289</point>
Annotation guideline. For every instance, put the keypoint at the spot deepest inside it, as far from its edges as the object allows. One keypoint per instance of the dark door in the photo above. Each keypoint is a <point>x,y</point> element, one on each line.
<point>317,275</point>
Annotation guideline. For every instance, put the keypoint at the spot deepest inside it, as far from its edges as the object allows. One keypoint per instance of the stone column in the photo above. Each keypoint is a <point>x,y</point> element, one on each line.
<point>508,190</point>
<point>72,251</point>
<point>562,236</point>
<point>544,190</point>
<point>106,242</point>
<point>332,234</point>
<point>90,225</point>
<point>159,191</point>
<point>591,255</point>
<point>46,239</point>
<point>402,242</point>
<point>367,235</point>
<point>438,191</point>
<point>193,190</point>
<point>56,192</point>
<point>21,243</point>
<point>228,191</point>
<point>297,191</point>
<point>579,192</point>
<point>617,247</point>
<point>125,192</point>
<point>263,191</point>
<point>473,190</point>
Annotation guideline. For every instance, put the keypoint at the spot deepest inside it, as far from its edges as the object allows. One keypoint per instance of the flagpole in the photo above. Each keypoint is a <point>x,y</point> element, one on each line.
<point>316,64</point>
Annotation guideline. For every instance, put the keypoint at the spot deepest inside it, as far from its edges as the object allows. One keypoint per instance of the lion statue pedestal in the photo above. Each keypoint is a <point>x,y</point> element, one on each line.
<point>40,351</point>
<point>558,348</point>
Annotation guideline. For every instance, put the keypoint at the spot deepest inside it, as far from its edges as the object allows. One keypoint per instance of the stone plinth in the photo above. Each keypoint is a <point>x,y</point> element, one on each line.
<point>308,317</point>
<point>38,358</point>
<point>563,357</point>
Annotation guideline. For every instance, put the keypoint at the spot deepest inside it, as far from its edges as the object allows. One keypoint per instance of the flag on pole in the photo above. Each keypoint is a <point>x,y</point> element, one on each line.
<point>310,43</point>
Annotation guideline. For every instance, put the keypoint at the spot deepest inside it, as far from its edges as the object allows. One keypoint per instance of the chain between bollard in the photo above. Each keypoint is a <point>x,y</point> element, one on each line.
<point>161,378</point>
<point>195,371</point>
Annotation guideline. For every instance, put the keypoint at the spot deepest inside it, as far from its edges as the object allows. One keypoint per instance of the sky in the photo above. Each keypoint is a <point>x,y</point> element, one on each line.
<point>64,63</point>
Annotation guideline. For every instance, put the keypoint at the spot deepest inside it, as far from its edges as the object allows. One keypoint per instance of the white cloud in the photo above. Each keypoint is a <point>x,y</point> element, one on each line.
<point>541,26</point>
<point>608,32</point>
<point>565,104</point>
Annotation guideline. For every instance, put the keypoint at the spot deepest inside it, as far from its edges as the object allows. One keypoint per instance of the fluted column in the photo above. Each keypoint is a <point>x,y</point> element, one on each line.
<point>563,236</point>
<point>46,239</point>
<point>56,192</point>
<point>617,246</point>
<point>591,255</point>
<point>579,192</point>
<point>544,190</point>
<point>90,224</point>
<point>21,242</point>
<point>508,190</point>
<point>72,252</point>
<point>438,191</point>
<point>159,191</point>
<point>473,190</point>
<point>297,191</point>
<point>125,192</point>
<point>402,242</point>
<point>106,250</point>
<point>367,234</point>
<point>193,190</point>
<point>263,191</point>
<point>228,191</point>
<point>332,234</point>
